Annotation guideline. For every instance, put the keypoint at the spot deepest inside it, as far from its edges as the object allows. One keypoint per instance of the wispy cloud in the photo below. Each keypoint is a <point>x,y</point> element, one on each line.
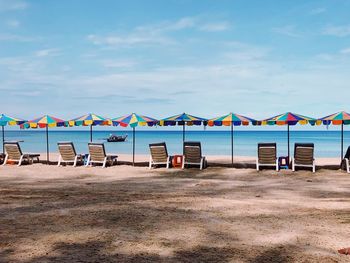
<point>124,63</point>
<point>50,52</point>
<point>338,31</point>
<point>288,30</point>
<point>317,11</point>
<point>215,27</point>
<point>17,38</point>
<point>12,5</point>
<point>157,34</point>
<point>345,51</point>
<point>13,23</point>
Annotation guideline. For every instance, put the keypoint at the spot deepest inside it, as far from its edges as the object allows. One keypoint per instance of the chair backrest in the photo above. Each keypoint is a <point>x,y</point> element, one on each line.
<point>159,152</point>
<point>347,154</point>
<point>97,151</point>
<point>304,153</point>
<point>13,150</point>
<point>193,152</point>
<point>267,153</point>
<point>67,150</point>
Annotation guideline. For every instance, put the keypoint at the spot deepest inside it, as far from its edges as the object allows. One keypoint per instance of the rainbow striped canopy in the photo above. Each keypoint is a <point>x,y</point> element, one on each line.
<point>290,119</point>
<point>181,119</point>
<point>89,119</point>
<point>7,120</point>
<point>337,118</point>
<point>43,122</point>
<point>231,119</point>
<point>134,120</point>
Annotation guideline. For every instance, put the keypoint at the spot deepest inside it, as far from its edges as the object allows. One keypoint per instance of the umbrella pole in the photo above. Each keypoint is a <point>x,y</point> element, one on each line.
<point>342,141</point>
<point>47,145</point>
<point>133,146</point>
<point>288,146</point>
<point>91,133</point>
<point>3,139</point>
<point>232,144</point>
<point>183,138</point>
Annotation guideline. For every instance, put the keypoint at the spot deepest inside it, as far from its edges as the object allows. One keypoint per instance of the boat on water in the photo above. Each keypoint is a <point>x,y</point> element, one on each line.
<point>117,138</point>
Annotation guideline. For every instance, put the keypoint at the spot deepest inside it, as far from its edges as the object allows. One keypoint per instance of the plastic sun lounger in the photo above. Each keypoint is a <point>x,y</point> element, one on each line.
<point>193,155</point>
<point>68,154</point>
<point>304,156</point>
<point>267,156</point>
<point>97,154</point>
<point>14,153</point>
<point>159,155</point>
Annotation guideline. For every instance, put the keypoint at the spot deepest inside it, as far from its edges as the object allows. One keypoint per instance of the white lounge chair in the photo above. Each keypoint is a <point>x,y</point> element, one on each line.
<point>193,155</point>
<point>159,155</point>
<point>14,153</point>
<point>267,156</point>
<point>68,154</point>
<point>97,154</point>
<point>304,156</point>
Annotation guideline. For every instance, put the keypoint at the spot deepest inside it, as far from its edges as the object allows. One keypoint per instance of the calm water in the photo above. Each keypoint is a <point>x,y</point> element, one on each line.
<point>327,143</point>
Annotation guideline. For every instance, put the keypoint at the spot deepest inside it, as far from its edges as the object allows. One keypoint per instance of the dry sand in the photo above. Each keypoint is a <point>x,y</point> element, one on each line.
<point>132,214</point>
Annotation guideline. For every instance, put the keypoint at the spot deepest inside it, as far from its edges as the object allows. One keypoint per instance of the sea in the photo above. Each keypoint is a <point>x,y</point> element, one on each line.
<point>214,142</point>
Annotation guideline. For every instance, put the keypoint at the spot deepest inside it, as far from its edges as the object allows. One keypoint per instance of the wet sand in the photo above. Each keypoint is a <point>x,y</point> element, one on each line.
<point>132,214</point>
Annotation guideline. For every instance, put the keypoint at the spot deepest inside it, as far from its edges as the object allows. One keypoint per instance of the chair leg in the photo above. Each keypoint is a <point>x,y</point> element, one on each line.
<point>20,161</point>
<point>167,162</point>
<point>104,162</point>
<point>150,163</point>
<point>347,165</point>
<point>293,165</point>
<point>257,165</point>
<point>59,161</point>
<point>201,164</point>
<point>183,163</point>
<point>313,167</point>
<point>75,161</point>
<point>277,168</point>
<point>6,158</point>
<point>88,160</point>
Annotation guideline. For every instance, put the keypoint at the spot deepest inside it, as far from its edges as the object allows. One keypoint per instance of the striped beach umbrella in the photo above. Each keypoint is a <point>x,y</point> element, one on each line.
<point>183,119</point>
<point>7,120</point>
<point>340,118</point>
<point>231,119</point>
<point>133,120</point>
<point>289,119</point>
<point>90,120</point>
<point>46,122</point>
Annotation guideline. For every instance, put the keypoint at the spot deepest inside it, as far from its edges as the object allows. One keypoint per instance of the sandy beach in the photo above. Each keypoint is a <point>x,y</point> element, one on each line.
<point>132,214</point>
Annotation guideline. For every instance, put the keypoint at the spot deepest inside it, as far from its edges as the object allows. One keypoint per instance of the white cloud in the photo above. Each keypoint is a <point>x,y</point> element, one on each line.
<point>17,38</point>
<point>215,27</point>
<point>50,52</point>
<point>288,30</point>
<point>127,40</point>
<point>339,31</point>
<point>157,34</point>
<point>345,51</point>
<point>318,11</point>
<point>12,5</point>
<point>13,23</point>
<point>126,63</point>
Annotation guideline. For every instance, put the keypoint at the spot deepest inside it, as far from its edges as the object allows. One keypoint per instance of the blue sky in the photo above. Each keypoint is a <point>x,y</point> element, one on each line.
<point>159,58</point>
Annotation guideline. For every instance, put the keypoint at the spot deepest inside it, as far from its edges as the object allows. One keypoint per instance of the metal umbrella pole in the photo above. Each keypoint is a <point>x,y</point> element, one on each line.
<point>133,146</point>
<point>342,142</point>
<point>232,144</point>
<point>183,138</point>
<point>47,145</point>
<point>288,146</point>
<point>3,139</point>
<point>91,133</point>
